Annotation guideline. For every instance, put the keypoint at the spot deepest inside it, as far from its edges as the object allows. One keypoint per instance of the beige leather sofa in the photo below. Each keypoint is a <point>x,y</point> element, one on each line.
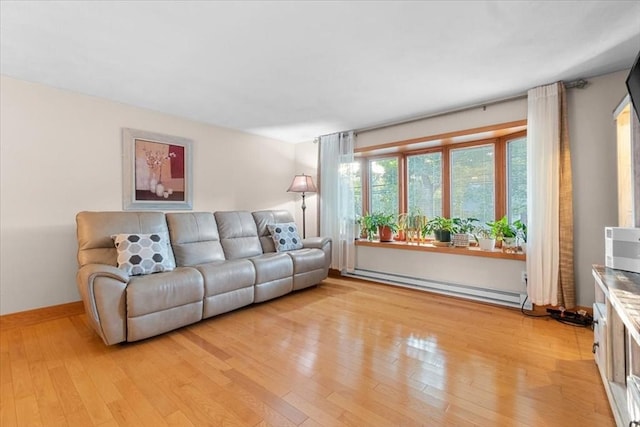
<point>219,262</point>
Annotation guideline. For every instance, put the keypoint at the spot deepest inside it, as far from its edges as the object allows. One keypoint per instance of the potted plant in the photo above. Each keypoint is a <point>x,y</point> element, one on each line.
<point>368,226</point>
<point>403,224</point>
<point>521,234</point>
<point>441,228</point>
<point>462,227</point>
<point>504,233</point>
<point>386,226</point>
<point>484,237</point>
<point>415,224</point>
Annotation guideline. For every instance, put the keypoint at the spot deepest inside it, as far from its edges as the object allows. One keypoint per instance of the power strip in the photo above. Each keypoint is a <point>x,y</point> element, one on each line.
<point>583,319</point>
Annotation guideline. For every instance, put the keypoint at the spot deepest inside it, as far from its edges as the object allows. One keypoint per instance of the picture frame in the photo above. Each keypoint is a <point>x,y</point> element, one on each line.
<point>156,171</point>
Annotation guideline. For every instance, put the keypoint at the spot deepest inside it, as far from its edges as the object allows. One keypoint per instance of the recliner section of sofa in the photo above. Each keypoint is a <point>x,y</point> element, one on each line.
<point>228,284</point>
<point>223,262</point>
<point>239,237</point>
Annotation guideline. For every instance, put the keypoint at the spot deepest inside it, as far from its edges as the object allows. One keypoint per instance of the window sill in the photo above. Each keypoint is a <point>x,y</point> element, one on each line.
<point>428,247</point>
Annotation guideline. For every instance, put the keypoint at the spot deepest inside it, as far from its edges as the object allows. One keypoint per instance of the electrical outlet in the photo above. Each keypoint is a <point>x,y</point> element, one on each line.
<point>524,278</point>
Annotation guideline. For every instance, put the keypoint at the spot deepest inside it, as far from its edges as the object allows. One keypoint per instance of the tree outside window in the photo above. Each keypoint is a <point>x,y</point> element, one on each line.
<point>517,180</point>
<point>383,178</point>
<point>424,184</point>
<point>473,183</point>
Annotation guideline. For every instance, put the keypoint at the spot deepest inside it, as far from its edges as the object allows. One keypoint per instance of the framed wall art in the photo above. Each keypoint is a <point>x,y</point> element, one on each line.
<point>156,171</point>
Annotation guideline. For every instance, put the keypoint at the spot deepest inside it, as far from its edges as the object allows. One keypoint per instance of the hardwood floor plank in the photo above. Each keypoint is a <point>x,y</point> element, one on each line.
<point>7,405</point>
<point>313,409</point>
<point>346,353</point>
<point>273,400</point>
<point>49,405</point>
<point>28,412</point>
<point>270,416</point>
<point>179,419</point>
<point>210,348</point>
<point>69,398</point>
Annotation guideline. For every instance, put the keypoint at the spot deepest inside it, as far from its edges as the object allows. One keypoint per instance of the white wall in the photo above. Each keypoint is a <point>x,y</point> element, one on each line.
<point>307,163</point>
<point>60,153</point>
<point>593,159</point>
<point>592,138</point>
<point>483,272</point>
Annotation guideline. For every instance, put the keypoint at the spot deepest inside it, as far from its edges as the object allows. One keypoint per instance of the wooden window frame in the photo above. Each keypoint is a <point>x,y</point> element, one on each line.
<point>444,144</point>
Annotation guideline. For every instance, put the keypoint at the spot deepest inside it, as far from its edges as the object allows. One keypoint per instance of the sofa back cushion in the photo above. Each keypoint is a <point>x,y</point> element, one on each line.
<point>264,218</point>
<point>94,231</point>
<point>238,234</point>
<point>194,238</point>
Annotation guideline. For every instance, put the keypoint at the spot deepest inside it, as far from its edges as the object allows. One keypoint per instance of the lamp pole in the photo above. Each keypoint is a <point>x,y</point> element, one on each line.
<point>304,216</point>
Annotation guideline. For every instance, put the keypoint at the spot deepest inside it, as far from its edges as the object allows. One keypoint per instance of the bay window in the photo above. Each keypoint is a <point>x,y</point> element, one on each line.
<point>457,176</point>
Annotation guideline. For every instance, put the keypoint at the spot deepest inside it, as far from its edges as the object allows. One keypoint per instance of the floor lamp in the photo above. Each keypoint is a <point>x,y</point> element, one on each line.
<point>303,184</point>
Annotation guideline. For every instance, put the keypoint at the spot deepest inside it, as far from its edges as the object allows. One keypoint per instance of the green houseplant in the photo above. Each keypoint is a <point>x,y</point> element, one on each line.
<point>368,226</point>
<point>521,234</point>
<point>403,225</point>
<point>484,236</point>
<point>462,227</point>
<point>415,224</point>
<point>501,229</point>
<point>386,225</point>
<point>504,233</point>
<point>440,227</point>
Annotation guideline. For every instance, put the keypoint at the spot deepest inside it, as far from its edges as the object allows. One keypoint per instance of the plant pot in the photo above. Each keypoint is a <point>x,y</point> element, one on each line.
<point>386,234</point>
<point>486,244</point>
<point>401,236</point>
<point>461,240</point>
<point>442,235</point>
<point>509,245</point>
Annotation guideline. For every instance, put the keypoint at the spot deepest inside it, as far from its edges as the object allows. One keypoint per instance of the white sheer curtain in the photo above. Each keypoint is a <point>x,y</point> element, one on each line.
<point>543,166</point>
<point>337,216</point>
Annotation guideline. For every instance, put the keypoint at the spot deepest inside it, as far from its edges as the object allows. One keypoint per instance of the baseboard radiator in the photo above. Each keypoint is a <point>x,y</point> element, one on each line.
<point>493,296</point>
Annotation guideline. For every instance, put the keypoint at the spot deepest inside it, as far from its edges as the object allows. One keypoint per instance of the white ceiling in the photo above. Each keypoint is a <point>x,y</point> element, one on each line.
<point>295,70</point>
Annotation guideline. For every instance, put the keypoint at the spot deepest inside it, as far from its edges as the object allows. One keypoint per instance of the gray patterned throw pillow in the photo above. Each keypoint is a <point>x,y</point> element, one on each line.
<point>285,236</point>
<point>140,254</point>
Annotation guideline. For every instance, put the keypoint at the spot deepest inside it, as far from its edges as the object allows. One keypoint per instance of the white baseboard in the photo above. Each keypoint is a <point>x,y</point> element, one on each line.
<point>493,296</point>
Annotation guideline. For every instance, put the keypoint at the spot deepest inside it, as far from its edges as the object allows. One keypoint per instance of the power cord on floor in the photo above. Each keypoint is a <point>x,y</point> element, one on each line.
<point>526,282</point>
<point>529,314</point>
<point>583,317</point>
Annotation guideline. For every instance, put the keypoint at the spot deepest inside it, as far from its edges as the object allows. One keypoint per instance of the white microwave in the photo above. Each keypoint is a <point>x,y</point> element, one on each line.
<point>622,248</point>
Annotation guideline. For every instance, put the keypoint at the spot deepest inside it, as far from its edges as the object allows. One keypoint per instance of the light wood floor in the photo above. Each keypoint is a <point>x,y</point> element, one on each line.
<point>345,353</point>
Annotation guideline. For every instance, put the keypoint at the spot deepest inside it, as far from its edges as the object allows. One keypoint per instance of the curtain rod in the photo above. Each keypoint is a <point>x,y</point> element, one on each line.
<point>577,84</point>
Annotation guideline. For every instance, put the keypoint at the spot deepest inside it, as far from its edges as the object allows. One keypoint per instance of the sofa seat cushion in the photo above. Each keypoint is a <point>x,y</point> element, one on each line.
<point>305,260</point>
<point>274,275</point>
<point>228,285</point>
<point>272,266</point>
<point>161,291</point>
<point>225,276</point>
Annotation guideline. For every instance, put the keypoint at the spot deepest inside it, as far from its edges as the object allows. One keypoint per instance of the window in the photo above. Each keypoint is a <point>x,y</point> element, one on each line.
<point>517,179</point>
<point>473,182</point>
<point>383,179</point>
<point>352,172</point>
<point>479,174</point>
<point>424,184</point>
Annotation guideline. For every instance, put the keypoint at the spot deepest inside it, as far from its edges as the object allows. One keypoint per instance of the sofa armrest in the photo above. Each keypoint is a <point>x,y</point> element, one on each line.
<point>102,288</point>
<point>316,242</point>
<point>323,243</point>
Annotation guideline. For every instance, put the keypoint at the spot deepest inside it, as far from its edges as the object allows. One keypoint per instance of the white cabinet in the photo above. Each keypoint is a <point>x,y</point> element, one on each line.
<point>616,340</point>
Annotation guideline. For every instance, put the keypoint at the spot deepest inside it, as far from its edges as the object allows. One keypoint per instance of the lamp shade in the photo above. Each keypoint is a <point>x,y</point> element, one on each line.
<point>302,184</point>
